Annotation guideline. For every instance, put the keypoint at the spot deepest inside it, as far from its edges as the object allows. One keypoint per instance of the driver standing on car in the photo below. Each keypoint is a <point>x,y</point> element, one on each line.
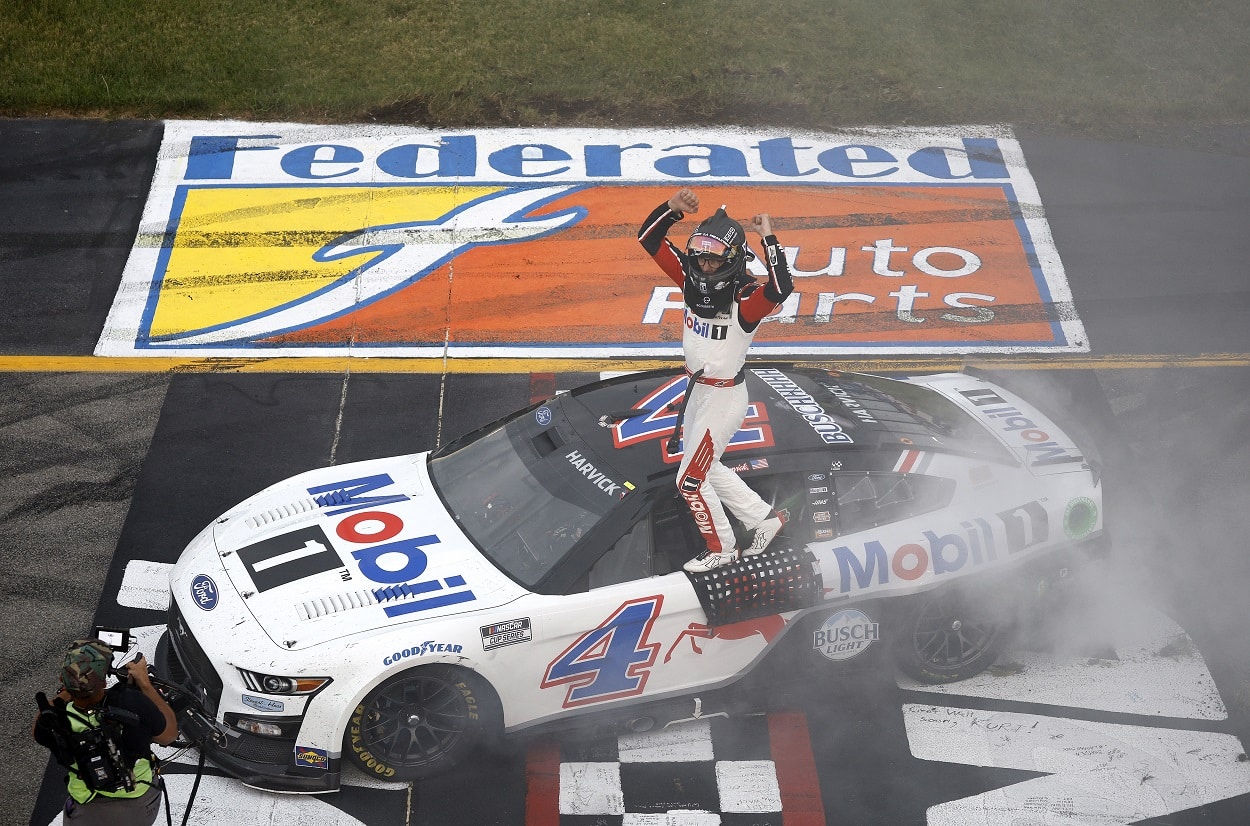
<point>724,306</point>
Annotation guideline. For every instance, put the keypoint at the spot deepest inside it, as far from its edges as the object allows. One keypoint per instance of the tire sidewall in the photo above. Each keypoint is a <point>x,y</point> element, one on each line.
<point>476,698</point>
<point>909,660</point>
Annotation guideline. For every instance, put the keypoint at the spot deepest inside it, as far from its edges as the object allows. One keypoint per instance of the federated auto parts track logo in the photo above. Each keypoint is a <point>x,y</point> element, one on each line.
<point>263,239</point>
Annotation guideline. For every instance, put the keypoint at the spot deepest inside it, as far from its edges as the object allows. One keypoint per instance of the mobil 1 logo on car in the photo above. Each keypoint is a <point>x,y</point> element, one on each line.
<point>397,566</point>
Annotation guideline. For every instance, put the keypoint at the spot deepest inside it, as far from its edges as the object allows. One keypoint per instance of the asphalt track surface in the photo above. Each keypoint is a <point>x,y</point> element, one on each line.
<point>104,468</point>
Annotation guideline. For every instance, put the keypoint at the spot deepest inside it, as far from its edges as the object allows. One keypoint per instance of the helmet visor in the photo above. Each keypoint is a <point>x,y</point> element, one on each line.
<point>704,249</point>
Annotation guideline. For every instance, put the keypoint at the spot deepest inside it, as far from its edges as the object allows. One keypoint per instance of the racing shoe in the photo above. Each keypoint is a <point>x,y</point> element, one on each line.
<point>763,535</point>
<point>709,560</point>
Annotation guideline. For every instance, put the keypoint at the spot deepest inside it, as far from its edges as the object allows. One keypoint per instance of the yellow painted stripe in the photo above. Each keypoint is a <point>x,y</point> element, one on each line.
<point>345,364</point>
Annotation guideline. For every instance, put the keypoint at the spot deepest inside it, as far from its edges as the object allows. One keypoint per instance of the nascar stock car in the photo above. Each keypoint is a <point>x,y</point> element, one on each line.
<point>396,612</point>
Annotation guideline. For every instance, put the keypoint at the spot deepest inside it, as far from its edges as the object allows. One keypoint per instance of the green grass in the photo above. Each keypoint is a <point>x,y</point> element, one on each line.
<point>798,63</point>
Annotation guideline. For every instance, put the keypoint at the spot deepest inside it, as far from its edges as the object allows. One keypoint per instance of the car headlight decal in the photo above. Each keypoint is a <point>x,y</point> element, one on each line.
<point>274,684</point>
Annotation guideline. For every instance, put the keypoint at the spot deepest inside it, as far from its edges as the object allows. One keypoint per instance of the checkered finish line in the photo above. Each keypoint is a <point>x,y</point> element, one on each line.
<point>744,771</point>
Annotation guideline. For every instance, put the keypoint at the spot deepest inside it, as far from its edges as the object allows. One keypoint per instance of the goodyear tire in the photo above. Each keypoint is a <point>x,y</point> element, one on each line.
<point>421,723</point>
<point>947,635</point>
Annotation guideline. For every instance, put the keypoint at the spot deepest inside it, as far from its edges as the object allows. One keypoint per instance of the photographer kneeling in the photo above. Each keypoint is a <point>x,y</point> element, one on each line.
<point>104,737</point>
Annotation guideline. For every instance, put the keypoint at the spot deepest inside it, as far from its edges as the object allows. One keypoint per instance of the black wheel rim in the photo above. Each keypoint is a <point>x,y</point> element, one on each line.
<point>948,637</point>
<point>415,721</point>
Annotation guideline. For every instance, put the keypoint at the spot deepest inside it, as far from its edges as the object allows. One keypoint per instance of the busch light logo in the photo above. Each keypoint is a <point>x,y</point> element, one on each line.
<point>845,634</point>
<point>204,592</point>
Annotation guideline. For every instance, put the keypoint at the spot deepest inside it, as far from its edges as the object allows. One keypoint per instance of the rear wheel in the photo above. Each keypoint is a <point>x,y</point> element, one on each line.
<point>421,722</point>
<point>945,636</point>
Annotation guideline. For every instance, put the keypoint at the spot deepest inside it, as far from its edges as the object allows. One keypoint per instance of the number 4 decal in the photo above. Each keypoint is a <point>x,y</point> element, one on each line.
<point>610,661</point>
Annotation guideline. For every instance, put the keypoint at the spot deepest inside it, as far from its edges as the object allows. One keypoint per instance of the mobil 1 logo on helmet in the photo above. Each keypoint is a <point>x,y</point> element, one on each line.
<point>395,564</point>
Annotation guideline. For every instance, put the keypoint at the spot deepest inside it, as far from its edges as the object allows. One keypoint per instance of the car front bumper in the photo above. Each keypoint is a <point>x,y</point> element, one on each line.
<point>269,763</point>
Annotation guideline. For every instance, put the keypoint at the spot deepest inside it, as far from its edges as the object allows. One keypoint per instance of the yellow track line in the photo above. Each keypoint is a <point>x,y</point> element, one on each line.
<point>342,364</point>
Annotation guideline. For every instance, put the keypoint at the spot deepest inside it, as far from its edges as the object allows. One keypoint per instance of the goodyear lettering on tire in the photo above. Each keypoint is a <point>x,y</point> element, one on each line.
<point>469,699</point>
<point>366,758</point>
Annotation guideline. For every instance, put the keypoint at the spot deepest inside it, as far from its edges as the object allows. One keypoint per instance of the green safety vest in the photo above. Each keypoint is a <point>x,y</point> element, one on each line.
<point>78,789</point>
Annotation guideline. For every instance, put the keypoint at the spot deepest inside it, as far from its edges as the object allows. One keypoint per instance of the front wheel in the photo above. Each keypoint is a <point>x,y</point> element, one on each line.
<point>946,635</point>
<point>421,723</point>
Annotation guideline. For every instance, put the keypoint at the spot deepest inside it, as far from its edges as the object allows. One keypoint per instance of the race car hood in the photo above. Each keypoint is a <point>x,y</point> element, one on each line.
<point>1037,442</point>
<point>350,549</point>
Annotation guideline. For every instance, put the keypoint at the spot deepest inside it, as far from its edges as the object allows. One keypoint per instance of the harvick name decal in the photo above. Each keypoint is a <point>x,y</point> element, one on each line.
<point>597,477</point>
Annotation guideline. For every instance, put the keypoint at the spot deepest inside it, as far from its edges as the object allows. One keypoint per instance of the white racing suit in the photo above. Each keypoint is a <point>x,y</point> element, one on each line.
<point>718,399</point>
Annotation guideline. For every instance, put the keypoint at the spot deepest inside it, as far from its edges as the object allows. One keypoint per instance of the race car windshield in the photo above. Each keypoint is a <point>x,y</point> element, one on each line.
<point>524,496</point>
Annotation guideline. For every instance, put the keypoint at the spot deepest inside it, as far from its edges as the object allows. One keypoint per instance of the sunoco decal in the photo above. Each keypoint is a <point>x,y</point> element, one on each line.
<point>313,240</point>
<point>845,635</point>
<point>504,633</point>
<point>312,758</point>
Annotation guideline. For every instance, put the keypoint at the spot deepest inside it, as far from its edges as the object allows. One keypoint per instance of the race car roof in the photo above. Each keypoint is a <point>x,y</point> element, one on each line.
<point>627,420</point>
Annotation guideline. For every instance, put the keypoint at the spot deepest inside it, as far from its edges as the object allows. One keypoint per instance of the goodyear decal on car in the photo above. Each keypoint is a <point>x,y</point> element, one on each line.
<point>328,240</point>
<point>427,648</point>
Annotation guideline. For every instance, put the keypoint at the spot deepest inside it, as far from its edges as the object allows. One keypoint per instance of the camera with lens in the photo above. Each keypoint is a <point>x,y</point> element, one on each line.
<point>98,754</point>
<point>95,751</point>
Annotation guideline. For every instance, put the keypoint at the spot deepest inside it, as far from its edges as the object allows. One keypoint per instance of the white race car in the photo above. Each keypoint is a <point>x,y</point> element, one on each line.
<point>398,611</point>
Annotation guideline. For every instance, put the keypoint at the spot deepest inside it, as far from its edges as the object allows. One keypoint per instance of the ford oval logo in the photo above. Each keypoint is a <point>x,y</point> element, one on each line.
<point>204,592</point>
<point>543,416</point>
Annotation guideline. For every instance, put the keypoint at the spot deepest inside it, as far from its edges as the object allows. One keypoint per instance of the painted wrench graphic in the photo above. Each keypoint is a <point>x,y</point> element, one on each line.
<point>400,254</point>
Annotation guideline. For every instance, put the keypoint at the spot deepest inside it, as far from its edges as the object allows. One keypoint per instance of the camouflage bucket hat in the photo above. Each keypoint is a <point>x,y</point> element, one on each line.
<point>86,668</point>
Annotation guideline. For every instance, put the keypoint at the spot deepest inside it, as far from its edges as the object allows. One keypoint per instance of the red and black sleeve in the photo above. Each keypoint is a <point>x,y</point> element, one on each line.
<point>757,301</point>
<point>654,239</point>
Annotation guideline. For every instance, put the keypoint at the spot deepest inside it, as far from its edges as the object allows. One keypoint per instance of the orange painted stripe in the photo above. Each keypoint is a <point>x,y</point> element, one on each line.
<point>791,745</point>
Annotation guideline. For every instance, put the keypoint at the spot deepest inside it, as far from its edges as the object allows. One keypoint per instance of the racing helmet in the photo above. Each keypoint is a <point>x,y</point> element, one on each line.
<point>721,239</point>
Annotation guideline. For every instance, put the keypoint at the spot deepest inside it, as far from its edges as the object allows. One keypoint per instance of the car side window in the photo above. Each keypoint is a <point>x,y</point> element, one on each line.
<point>629,558</point>
<point>657,544</point>
<point>867,500</point>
